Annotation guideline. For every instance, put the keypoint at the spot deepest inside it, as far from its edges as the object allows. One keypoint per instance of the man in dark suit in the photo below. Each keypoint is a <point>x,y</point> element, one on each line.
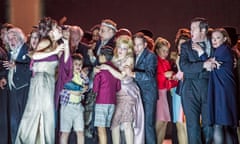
<point>194,64</point>
<point>18,77</point>
<point>145,76</point>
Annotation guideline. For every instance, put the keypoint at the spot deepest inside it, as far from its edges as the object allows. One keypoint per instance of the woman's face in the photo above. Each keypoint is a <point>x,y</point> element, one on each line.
<point>34,39</point>
<point>217,39</point>
<point>122,50</point>
<point>163,52</point>
<point>95,35</point>
<point>56,33</point>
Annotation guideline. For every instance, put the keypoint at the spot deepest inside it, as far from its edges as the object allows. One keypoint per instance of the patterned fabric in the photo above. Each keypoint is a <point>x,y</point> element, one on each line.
<point>64,97</point>
<point>103,115</point>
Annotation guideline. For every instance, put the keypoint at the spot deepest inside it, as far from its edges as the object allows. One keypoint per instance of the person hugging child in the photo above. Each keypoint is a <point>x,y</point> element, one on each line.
<point>71,110</point>
<point>105,85</point>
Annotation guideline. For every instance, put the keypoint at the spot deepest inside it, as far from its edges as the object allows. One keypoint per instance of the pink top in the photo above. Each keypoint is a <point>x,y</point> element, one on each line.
<point>105,85</point>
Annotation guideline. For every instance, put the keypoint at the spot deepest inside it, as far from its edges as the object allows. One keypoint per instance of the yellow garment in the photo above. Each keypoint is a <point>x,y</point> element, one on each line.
<point>75,99</point>
<point>77,79</point>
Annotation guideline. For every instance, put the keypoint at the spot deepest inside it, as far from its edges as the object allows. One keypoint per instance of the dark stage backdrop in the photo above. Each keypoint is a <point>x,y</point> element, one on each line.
<point>3,11</point>
<point>163,18</point>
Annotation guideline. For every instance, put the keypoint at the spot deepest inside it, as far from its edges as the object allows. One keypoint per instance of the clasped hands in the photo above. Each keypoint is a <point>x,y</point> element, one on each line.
<point>211,64</point>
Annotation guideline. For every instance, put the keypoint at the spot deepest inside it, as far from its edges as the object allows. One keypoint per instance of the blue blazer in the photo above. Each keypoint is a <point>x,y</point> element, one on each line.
<point>145,70</point>
<point>21,77</point>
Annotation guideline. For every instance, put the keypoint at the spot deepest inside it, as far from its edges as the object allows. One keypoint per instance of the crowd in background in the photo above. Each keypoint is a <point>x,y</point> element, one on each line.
<point>108,85</point>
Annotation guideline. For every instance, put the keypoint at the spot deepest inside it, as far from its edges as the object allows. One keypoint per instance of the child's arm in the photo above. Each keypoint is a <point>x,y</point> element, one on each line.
<point>114,72</point>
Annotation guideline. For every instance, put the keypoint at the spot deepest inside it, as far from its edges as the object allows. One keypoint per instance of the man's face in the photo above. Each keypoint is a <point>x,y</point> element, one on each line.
<point>139,45</point>
<point>197,34</point>
<point>75,38</point>
<point>105,33</point>
<point>13,40</point>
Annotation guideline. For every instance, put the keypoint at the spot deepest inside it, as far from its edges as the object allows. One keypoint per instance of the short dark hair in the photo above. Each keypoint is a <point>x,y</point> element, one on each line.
<point>107,51</point>
<point>203,22</point>
<point>141,36</point>
<point>77,56</point>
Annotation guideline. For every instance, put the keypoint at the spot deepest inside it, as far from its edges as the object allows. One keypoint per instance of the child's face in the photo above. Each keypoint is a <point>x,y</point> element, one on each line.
<point>163,52</point>
<point>77,65</point>
<point>217,39</point>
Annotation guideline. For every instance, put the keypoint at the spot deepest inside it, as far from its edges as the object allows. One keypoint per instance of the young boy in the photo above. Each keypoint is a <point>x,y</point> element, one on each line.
<point>105,86</point>
<point>71,110</point>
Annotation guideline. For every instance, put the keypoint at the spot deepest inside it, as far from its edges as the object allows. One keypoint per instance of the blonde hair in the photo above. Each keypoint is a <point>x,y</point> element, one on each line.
<point>124,39</point>
<point>160,42</point>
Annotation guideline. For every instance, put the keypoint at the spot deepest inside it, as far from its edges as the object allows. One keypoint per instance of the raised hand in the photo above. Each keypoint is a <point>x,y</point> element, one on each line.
<point>8,64</point>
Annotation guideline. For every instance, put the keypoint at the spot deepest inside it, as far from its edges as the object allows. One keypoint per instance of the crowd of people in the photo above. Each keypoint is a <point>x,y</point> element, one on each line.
<point>111,86</point>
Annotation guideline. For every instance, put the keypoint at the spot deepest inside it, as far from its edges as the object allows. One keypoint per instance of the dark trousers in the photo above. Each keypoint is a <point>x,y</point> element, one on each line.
<point>149,114</point>
<point>195,106</point>
<point>17,101</point>
<point>4,122</point>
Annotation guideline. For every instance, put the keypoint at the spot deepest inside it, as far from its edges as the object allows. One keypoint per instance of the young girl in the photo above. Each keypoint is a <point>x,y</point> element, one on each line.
<point>71,110</point>
<point>222,90</point>
<point>164,75</point>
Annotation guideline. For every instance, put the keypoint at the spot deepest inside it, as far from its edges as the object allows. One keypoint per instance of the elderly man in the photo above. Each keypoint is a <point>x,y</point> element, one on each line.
<point>18,77</point>
<point>76,35</point>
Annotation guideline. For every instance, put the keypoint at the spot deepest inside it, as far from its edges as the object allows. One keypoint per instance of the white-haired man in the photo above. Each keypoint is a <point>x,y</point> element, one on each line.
<point>18,77</point>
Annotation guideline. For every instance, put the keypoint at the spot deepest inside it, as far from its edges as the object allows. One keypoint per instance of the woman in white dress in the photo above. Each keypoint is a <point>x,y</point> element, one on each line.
<point>38,122</point>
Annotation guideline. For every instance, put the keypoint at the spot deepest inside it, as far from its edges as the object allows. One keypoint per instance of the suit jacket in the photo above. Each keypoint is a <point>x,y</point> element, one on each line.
<point>83,50</point>
<point>145,70</point>
<point>22,75</point>
<point>110,43</point>
<point>3,57</point>
<point>195,76</point>
<point>190,62</point>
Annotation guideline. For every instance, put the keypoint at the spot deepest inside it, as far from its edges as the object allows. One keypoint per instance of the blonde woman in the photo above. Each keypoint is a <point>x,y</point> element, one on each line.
<point>129,114</point>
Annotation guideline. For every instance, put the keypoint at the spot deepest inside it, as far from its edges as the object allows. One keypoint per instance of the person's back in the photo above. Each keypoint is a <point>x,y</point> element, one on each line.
<point>105,86</point>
